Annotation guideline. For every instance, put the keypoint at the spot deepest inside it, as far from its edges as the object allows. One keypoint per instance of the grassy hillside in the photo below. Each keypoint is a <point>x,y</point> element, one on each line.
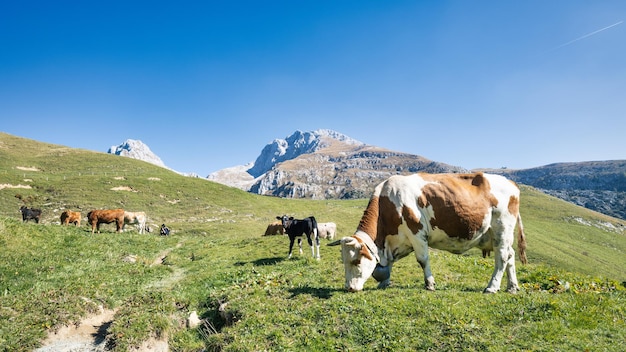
<point>573,296</point>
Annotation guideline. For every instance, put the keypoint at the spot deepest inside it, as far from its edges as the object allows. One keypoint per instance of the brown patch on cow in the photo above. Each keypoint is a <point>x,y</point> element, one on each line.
<point>412,221</point>
<point>514,205</point>
<point>459,202</point>
<point>369,220</point>
<point>380,219</point>
<point>388,221</point>
<point>365,252</point>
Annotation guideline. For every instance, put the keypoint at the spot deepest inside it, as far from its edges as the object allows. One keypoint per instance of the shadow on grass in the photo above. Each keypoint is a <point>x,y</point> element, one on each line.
<point>262,261</point>
<point>319,292</point>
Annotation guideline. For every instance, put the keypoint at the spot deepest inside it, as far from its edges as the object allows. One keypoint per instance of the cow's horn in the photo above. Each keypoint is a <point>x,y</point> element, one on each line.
<point>335,243</point>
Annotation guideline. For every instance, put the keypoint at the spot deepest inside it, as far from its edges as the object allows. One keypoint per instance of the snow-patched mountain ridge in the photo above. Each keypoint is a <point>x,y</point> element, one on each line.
<point>293,146</point>
<point>136,149</point>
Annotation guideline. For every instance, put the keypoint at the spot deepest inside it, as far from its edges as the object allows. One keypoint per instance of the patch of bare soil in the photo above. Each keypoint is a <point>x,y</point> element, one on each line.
<point>89,335</point>
<point>123,188</point>
<point>26,168</point>
<point>8,185</point>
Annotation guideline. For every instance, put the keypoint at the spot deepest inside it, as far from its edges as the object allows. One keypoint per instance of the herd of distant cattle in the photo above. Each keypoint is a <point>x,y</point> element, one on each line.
<point>405,214</point>
<point>122,217</point>
<point>96,217</point>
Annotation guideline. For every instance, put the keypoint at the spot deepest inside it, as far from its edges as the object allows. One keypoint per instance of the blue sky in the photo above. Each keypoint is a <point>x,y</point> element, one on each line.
<point>207,84</point>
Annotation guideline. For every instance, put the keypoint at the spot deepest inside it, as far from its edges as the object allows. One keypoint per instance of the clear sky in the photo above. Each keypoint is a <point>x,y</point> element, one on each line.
<point>207,84</point>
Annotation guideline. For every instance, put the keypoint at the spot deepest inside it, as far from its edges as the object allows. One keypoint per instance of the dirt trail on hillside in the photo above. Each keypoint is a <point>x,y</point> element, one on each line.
<point>89,335</point>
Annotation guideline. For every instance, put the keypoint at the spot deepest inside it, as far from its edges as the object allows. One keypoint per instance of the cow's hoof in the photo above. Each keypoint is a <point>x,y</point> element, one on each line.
<point>490,290</point>
<point>513,289</point>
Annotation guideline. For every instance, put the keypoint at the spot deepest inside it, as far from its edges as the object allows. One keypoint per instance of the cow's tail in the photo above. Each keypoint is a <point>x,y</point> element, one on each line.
<point>315,230</point>
<point>521,240</point>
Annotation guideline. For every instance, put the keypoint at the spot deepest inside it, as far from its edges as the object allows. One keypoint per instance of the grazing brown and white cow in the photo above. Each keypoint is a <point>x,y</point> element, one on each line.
<point>452,212</point>
<point>326,230</point>
<point>70,217</point>
<point>275,228</point>
<point>106,216</point>
<point>137,217</point>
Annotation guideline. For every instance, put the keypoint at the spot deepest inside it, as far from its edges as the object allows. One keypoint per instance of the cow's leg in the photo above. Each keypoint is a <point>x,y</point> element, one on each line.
<point>420,246</point>
<point>317,243</point>
<point>300,244</point>
<point>310,241</point>
<point>291,240</point>
<point>504,257</point>
<point>500,260</point>
<point>512,286</point>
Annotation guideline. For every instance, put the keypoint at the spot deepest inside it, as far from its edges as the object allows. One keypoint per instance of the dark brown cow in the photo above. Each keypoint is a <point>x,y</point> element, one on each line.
<point>105,216</point>
<point>70,217</point>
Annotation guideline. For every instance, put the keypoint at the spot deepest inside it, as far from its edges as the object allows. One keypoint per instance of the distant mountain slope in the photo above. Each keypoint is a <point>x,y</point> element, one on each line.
<point>323,164</point>
<point>596,185</point>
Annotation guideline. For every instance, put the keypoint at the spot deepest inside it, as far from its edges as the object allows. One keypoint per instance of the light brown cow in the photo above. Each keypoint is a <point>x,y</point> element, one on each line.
<point>106,216</point>
<point>452,212</point>
<point>70,217</point>
<point>275,228</point>
<point>137,217</point>
<point>326,230</point>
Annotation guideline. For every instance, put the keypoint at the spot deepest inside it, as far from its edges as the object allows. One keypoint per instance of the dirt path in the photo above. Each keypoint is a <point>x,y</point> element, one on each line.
<point>89,335</point>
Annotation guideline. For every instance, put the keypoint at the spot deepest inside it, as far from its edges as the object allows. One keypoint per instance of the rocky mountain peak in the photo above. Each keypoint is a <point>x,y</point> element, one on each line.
<point>136,149</point>
<point>297,144</point>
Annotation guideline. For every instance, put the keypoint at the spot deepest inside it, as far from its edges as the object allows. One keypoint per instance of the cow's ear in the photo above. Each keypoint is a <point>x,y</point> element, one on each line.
<point>291,218</point>
<point>279,218</point>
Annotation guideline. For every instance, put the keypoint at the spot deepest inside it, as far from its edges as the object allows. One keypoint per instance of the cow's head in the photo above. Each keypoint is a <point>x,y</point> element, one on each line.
<point>285,220</point>
<point>360,261</point>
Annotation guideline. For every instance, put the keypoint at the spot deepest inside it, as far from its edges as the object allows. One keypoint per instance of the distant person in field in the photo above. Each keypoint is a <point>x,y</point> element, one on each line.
<point>164,230</point>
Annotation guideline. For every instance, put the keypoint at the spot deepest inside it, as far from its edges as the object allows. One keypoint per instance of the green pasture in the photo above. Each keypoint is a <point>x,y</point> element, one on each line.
<point>572,298</point>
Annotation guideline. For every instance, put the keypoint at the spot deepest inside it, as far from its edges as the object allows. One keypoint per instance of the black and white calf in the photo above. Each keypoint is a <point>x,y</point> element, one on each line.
<point>298,227</point>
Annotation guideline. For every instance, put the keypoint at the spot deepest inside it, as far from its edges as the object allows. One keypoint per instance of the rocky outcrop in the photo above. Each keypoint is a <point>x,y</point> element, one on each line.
<point>324,164</point>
